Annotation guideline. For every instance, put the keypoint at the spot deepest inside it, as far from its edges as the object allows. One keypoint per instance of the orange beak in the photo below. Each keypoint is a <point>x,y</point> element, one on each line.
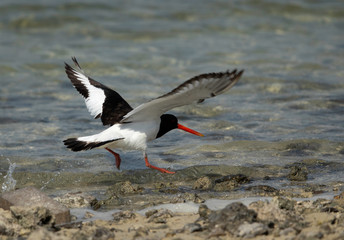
<point>189,130</point>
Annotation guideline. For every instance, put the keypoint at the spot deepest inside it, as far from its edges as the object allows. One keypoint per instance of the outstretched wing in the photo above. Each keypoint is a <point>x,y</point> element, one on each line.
<point>196,89</point>
<point>101,101</point>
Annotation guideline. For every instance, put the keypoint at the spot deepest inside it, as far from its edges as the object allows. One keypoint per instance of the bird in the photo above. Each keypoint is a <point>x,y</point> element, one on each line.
<point>132,128</point>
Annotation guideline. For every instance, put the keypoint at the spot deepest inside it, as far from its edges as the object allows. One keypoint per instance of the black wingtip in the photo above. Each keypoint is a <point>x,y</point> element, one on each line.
<point>76,62</point>
<point>240,73</point>
<point>67,67</point>
<point>235,74</point>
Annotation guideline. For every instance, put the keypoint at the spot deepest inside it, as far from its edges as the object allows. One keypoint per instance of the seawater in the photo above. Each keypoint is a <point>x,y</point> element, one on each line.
<point>287,107</point>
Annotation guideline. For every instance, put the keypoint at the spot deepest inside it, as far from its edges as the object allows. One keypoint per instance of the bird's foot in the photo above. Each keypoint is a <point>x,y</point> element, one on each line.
<point>163,170</point>
<point>118,158</point>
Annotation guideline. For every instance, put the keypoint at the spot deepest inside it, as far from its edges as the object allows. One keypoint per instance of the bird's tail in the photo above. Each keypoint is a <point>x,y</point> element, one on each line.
<point>84,143</point>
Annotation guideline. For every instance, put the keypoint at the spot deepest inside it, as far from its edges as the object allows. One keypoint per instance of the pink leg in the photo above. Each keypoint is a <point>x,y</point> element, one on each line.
<point>118,158</point>
<point>163,170</point>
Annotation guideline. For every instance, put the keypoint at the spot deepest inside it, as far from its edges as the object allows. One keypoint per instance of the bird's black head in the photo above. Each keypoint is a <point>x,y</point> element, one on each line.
<point>170,122</point>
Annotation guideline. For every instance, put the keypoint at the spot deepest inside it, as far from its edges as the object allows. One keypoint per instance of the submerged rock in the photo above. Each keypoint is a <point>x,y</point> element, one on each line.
<point>169,188</point>
<point>123,188</point>
<point>230,182</point>
<point>298,173</point>
<point>302,148</point>
<point>203,183</point>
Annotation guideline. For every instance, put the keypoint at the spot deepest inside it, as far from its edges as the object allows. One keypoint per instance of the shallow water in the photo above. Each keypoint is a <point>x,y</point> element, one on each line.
<point>287,107</point>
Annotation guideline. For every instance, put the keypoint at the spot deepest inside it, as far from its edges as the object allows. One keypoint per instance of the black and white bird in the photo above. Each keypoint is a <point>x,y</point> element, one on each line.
<point>131,129</point>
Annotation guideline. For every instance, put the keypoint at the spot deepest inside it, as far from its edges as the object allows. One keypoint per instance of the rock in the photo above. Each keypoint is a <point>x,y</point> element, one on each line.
<point>310,235</point>
<point>263,190</point>
<point>288,231</point>
<point>8,227</point>
<point>140,231</point>
<point>88,215</point>
<point>231,217</point>
<point>123,188</point>
<point>192,227</point>
<point>43,233</point>
<point>298,173</point>
<point>271,212</point>
<point>77,200</point>
<point>169,188</point>
<point>301,148</point>
<point>158,216</point>
<point>204,211</point>
<point>30,217</point>
<point>250,230</point>
<point>32,197</point>
<point>187,197</point>
<point>203,183</point>
<point>123,215</point>
<point>284,203</point>
<point>97,230</point>
<point>230,182</point>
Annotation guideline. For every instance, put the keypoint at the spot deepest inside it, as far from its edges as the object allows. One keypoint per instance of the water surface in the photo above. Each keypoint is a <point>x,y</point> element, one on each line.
<point>287,107</point>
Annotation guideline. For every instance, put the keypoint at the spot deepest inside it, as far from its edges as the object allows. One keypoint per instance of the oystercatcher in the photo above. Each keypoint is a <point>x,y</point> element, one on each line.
<point>131,129</point>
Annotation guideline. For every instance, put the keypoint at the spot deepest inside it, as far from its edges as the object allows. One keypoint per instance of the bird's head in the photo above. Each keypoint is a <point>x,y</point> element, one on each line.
<point>170,122</point>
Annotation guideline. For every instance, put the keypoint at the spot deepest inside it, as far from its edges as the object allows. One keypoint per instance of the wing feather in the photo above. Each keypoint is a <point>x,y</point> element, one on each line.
<point>195,89</point>
<point>101,101</point>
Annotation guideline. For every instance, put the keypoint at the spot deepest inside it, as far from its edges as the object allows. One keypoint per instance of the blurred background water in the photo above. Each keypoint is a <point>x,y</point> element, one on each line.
<point>287,107</point>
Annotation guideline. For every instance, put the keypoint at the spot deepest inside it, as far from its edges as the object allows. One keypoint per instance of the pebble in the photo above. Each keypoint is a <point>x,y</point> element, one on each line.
<point>250,230</point>
<point>88,215</point>
<point>192,227</point>
<point>159,216</point>
<point>123,215</point>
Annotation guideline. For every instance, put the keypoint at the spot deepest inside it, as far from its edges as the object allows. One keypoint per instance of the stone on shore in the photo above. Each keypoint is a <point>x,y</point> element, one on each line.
<point>31,197</point>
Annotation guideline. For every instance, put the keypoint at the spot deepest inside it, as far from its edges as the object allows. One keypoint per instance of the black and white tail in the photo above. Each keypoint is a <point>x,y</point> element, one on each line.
<point>76,144</point>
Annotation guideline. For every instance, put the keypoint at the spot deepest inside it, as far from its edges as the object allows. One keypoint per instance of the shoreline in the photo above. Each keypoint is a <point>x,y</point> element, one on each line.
<point>278,218</point>
<point>198,202</point>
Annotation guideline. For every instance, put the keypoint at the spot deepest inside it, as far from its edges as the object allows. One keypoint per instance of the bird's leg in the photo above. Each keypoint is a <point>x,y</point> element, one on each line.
<point>163,170</point>
<point>118,158</point>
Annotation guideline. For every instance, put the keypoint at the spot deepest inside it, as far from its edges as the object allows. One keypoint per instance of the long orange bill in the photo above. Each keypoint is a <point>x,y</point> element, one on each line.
<point>189,130</point>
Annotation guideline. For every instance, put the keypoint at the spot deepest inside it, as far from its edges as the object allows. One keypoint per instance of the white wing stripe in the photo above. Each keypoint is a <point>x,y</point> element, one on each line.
<point>96,96</point>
